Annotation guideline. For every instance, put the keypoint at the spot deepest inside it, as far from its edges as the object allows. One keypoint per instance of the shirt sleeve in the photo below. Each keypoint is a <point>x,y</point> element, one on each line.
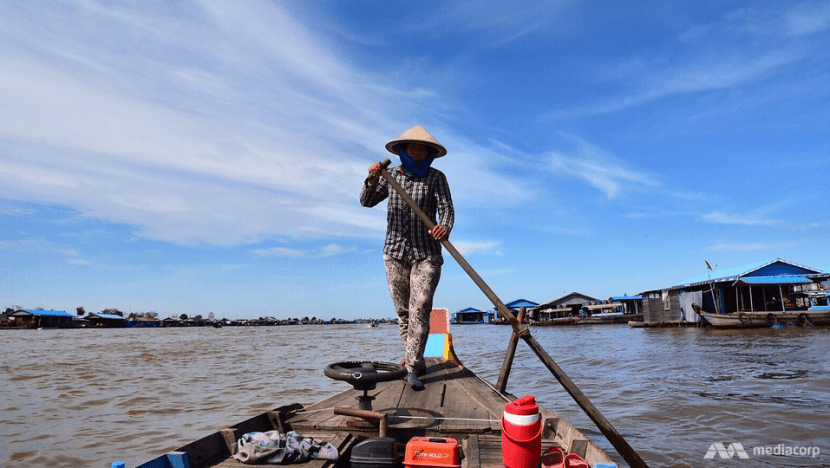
<point>446,212</point>
<point>371,195</point>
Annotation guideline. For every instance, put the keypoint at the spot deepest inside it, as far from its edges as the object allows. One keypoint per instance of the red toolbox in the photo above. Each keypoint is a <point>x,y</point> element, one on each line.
<point>431,452</point>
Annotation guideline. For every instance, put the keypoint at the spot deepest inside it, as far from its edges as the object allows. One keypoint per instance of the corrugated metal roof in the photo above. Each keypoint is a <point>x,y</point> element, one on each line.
<point>774,280</point>
<point>521,303</point>
<point>732,274</point>
<point>566,301</point>
<point>626,298</point>
<point>48,313</point>
<point>107,316</point>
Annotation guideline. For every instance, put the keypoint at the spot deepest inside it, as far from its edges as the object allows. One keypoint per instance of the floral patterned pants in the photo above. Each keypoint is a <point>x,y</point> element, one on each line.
<point>412,285</point>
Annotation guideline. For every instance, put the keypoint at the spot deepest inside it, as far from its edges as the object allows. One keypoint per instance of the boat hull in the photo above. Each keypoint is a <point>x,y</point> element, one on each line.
<point>456,404</point>
<point>767,319</point>
<point>599,319</point>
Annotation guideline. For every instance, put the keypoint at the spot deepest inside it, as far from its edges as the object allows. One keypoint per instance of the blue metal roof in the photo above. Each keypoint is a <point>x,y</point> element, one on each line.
<point>49,313</point>
<point>468,310</point>
<point>775,280</point>
<point>626,298</point>
<point>521,303</point>
<point>107,316</point>
<point>777,267</point>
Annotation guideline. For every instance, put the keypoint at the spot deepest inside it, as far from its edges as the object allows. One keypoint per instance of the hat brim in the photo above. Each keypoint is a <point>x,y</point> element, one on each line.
<point>440,150</point>
<point>417,134</point>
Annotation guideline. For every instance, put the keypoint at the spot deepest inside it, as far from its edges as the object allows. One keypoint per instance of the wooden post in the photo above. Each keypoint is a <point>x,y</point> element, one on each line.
<point>501,385</point>
<point>626,451</point>
<point>781,295</point>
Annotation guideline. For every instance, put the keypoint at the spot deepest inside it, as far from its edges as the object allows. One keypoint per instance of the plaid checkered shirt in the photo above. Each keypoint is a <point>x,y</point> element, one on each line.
<point>406,234</point>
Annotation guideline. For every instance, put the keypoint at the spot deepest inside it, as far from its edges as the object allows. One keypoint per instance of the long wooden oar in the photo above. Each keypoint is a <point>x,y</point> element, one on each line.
<point>626,451</point>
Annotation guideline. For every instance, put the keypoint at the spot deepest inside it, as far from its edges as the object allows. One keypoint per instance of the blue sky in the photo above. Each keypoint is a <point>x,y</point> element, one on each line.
<point>207,156</point>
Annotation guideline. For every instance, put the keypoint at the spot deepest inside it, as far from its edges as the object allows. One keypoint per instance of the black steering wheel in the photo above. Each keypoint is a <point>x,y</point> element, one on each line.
<point>364,375</point>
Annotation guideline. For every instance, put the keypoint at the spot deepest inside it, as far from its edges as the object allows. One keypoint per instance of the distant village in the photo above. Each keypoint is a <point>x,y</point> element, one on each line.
<point>16,317</point>
<point>767,293</point>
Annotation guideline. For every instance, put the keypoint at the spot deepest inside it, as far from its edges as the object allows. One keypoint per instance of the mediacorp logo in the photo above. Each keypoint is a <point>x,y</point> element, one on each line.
<point>736,449</point>
<point>726,452</point>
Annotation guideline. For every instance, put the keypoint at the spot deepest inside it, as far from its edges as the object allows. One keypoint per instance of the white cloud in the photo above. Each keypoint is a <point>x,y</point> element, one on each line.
<point>807,18</point>
<point>38,245</point>
<point>468,247</point>
<point>752,219</point>
<point>329,250</point>
<point>212,124</point>
<point>281,252</point>
<point>743,45</point>
<point>600,169</point>
<point>743,247</point>
<point>765,215</point>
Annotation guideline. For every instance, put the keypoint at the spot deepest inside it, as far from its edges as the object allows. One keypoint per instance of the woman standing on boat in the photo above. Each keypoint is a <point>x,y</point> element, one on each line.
<point>412,252</point>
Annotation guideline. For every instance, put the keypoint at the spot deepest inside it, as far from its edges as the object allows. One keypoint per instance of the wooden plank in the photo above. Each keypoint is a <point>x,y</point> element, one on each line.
<point>468,416</point>
<point>489,451</point>
<point>471,452</point>
<point>425,409</point>
<point>342,441</point>
<point>482,401</point>
<point>420,409</point>
<point>320,416</point>
<point>388,396</point>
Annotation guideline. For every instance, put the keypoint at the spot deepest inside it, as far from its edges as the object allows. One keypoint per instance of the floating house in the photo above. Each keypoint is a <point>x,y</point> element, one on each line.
<point>37,318</point>
<point>630,305</point>
<point>771,286</point>
<point>515,306</point>
<point>144,322</point>
<point>617,309</point>
<point>471,315</point>
<point>562,307</point>
<point>171,322</point>
<point>105,321</point>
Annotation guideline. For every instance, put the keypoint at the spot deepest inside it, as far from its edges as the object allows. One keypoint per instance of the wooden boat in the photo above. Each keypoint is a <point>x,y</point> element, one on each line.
<point>767,319</point>
<point>599,314</point>
<point>607,319</point>
<point>456,404</point>
<point>558,321</point>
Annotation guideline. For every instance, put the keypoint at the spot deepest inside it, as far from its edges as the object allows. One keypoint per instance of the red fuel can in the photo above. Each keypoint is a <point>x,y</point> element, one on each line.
<point>521,433</point>
<point>431,452</point>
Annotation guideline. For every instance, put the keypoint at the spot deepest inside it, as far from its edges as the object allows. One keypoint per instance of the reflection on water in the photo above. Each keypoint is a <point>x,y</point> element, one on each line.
<point>90,397</point>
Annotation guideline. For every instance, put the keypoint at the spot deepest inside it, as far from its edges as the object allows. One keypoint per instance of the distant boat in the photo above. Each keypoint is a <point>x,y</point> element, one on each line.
<point>606,314</point>
<point>600,314</point>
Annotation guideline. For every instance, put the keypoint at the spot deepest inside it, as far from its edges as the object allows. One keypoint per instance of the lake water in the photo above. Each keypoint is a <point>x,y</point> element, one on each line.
<point>88,397</point>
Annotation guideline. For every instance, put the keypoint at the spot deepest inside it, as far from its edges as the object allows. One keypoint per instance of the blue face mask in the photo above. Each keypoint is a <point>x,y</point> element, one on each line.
<point>413,167</point>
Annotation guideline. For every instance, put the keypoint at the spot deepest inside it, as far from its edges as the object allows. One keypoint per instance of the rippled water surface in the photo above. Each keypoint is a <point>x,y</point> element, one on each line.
<point>88,397</point>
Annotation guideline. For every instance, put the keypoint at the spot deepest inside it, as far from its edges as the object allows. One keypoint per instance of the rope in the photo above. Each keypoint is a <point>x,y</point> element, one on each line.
<point>443,418</point>
<point>409,417</point>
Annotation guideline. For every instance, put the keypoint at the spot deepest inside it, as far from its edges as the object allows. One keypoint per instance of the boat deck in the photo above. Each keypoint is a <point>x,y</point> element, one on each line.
<point>455,404</point>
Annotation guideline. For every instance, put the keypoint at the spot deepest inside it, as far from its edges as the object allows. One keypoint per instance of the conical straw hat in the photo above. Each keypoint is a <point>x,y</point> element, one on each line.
<point>417,134</point>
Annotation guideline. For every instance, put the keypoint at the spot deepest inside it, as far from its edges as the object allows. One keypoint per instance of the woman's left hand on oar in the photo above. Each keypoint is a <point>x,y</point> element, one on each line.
<point>438,232</point>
